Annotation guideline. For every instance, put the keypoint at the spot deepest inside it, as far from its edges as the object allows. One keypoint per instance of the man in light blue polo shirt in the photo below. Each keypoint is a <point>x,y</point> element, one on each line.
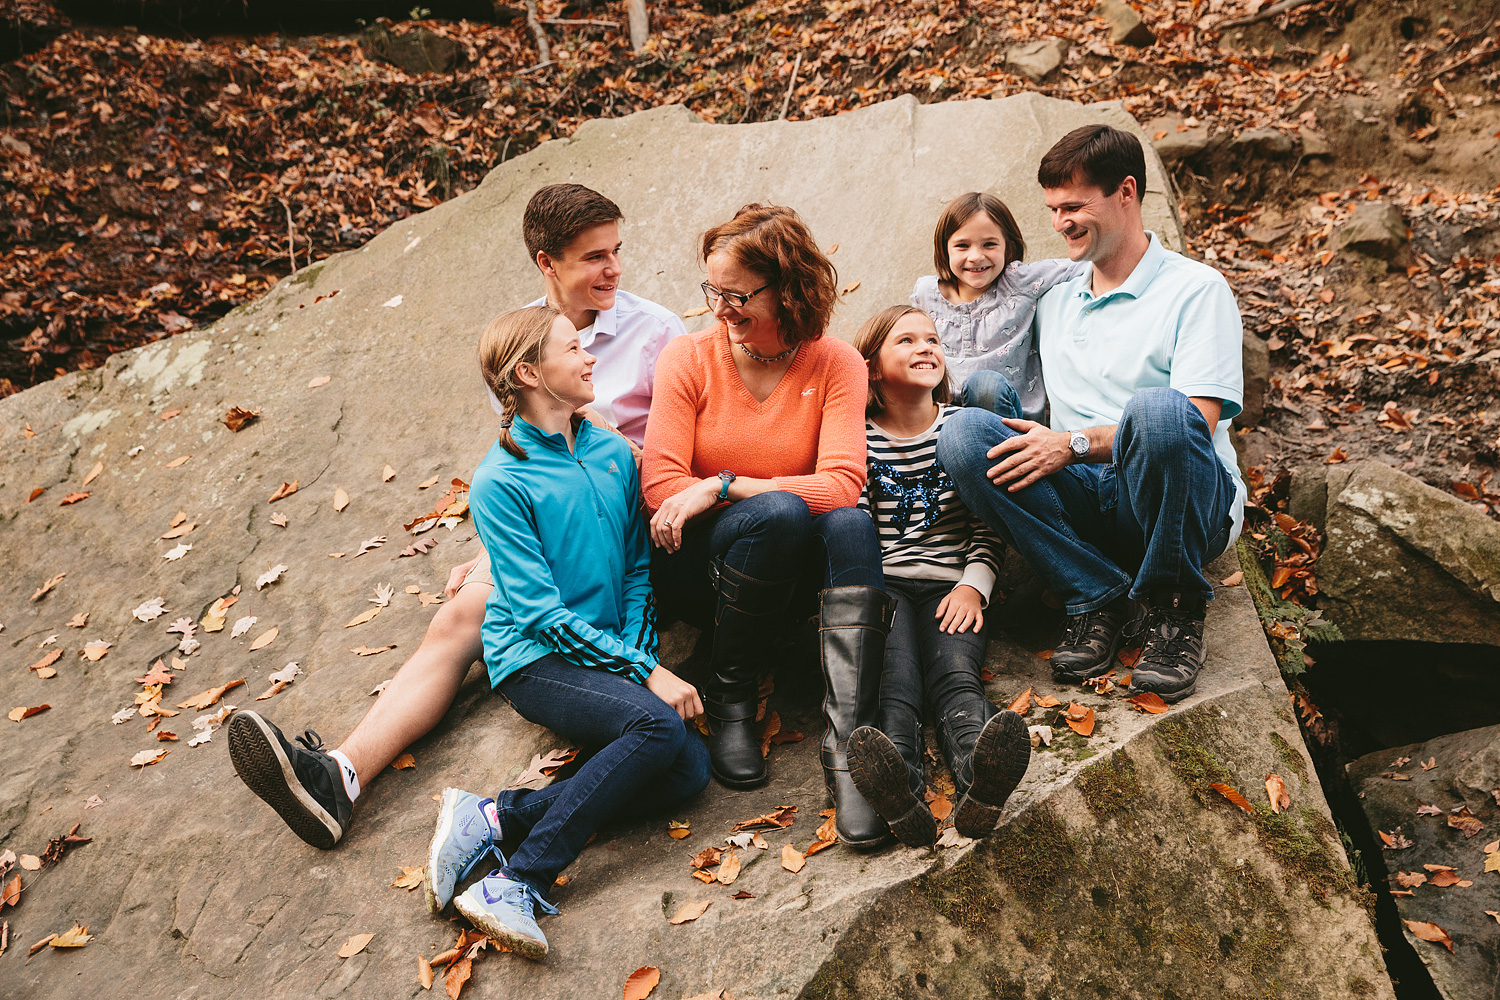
<point>1134,487</point>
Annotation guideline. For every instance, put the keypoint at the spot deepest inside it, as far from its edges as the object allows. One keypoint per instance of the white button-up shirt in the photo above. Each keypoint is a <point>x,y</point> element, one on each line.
<point>627,339</point>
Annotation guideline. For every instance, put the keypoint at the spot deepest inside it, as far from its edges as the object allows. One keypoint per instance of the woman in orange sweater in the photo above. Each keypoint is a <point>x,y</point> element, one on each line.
<point>755,459</point>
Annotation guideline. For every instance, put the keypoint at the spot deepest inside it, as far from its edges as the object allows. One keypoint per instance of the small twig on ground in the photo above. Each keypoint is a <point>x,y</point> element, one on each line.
<point>885,74</point>
<point>291,235</point>
<point>564,22</point>
<point>543,49</point>
<point>1269,12</point>
<point>786,101</point>
<point>640,24</point>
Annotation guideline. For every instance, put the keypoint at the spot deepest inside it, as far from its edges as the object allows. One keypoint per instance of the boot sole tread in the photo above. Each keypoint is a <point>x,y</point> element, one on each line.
<point>882,780</point>
<point>1001,755</point>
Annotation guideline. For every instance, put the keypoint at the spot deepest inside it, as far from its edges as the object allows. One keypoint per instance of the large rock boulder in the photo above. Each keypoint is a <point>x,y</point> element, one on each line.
<point>1120,871</point>
<point>1435,804</point>
<point>1375,229</point>
<point>1401,560</point>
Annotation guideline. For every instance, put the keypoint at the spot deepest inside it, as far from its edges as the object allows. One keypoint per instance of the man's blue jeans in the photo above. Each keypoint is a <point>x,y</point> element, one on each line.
<point>650,760</point>
<point>1144,525</point>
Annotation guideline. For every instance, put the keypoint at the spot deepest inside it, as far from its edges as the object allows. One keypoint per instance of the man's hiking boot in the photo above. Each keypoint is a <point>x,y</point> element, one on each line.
<point>301,783</point>
<point>999,761</point>
<point>464,836</point>
<point>1174,650</point>
<point>1090,641</point>
<point>503,908</point>
<point>884,779</point>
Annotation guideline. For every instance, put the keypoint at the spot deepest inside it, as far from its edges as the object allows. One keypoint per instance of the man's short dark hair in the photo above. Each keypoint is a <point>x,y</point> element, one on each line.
<point>1097,154</point>
<point>557,213</point>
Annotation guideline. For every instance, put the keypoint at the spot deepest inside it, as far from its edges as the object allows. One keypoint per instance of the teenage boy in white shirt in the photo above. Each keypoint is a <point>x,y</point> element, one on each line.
<point>573,236</point>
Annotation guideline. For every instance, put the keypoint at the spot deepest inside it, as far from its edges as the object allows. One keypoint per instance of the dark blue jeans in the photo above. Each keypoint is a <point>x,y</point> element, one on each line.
<point>649,760</point>
<point>1144,525</point>
<point>926,666</point>
<point>989,390</point>
<point>771,536</point>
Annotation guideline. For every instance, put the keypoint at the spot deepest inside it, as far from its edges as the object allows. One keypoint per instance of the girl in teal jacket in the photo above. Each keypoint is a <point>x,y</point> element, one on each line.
<point>569,634</point>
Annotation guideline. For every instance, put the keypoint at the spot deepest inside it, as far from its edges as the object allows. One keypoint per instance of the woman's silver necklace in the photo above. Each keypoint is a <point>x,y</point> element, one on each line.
<point>771,360</point>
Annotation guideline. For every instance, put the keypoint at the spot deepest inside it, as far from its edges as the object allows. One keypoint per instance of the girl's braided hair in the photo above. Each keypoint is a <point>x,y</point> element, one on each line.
<point>509,339</point>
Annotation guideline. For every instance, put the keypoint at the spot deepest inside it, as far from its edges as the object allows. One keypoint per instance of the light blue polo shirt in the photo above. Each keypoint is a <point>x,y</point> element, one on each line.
<point>1173,323</point>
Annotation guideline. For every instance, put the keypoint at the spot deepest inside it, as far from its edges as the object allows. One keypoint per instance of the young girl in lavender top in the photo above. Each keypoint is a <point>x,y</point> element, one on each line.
<point>982,302</point>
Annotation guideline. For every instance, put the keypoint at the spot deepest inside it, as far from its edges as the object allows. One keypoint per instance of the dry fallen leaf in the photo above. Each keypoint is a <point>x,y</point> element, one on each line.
<point>1429,932</point>
<point>1234,579</point>
<point>792,859</point>
<point>11,893</point>
<point>199,702</point>
<point>179,531</point>
<point>177,552</point>
<point>1080,719</point>
<point>851,287</point>
<point>641,982</point>
<point>93,473</point>
<point>30,863</point>
<point>1046,701</point>
<point>707,858</point>
<point>340,499</point>
<point>368,544</point>
<point>387,474</point>
<point>1448,877</point>
<point>1233,796</point>
<point>242,625</point>
<point>150,610</point>
<point>355,945</point>
<point>543,765</point>
<point>94,651</point>
<point>22,712</point>
<point>364,616</point>
<point>729,867</point>
<point>690,912</point>
<point>177,462</point>
<point>409,878</point>
<point>148,757</point>
<point>283,491</point>
<point>46,662</point>
<point>424,973</point>
<point>74,937</point>
<point>404,761</point>
<point>44,942</point>
<point>1148,701</point>
<point>781,817</point>
<point>363,650</point>
<point>1277,794</point>
<point>1394,841</point>
<point>678,830</point>
<point>1021,704</point>
<point>1429,763</point>
<point>44,588</point>
<point>426,483</point>
<point>320,380</point>
<point>265,638</point>
<point>238,417</point>
<point>1410,881</point>
<point>270,576</point>
<point>278,519</point>
<point>1041,736</point>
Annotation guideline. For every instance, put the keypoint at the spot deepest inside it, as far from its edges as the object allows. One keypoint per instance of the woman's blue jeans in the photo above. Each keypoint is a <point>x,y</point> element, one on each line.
<point>1143,525</point>
<point>649,760</point>
<point>771,536</point>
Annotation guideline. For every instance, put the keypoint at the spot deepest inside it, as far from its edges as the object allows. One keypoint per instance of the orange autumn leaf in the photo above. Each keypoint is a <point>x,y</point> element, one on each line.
<point>238,417</point>
<point>354,945</point>
<point>320,380</point>
<point>22,712</point>
<point>1429,932</point>
<point>1148,701</point>
<point>72,498</point>
<point>690,912</point>
<point>1129,657</point>
<point>11,894</point>
<point>424,972</point>
<point>792,859</point>
<point>1080,719</point>
<point>209,697</point>
<point>283,491</point>
<point>678,830</point>
<point>46,661</point>
<point>729,867</point>
<point>942,808</point>
<point>265,638</point>
<point>177,462</point>
<point>1277,794</point>
<point>1233,796</point>
<point>1044,654</point>
<point>35,493</point>
<point>641,982</point>
<point>1021,704</point>
<point>93,473</point>
<point>1046,701</point>
<point>404,761</point>
<point>340,499</point>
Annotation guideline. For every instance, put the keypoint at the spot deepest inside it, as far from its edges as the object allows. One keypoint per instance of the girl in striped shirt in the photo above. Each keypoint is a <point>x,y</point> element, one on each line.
<point>940,563</point>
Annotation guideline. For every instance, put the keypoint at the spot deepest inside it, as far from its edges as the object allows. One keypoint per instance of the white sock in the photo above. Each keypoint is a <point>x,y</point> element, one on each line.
<point>346,771</point>
<point>492,814</point>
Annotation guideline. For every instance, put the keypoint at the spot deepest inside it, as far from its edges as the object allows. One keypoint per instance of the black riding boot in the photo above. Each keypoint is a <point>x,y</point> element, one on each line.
<point>852,626</point>
<point>744,615</point>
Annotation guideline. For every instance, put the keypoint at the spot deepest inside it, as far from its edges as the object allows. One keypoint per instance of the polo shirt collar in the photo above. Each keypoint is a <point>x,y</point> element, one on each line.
<point>1140,277</point>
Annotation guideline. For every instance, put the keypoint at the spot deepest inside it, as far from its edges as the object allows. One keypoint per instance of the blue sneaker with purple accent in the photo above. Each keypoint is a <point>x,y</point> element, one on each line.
<point>502,907</point>
<point>465,834</point>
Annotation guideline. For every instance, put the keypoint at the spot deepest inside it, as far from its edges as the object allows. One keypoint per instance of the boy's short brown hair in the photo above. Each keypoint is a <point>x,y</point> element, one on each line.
<point>1097,154</point>
<point>774,242</point>
<point>961,210</point>
<point>868,342</point>
<point>557,213</point>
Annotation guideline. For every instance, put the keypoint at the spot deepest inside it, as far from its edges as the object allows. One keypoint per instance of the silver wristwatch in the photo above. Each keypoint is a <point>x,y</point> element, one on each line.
<point>1078,444</point>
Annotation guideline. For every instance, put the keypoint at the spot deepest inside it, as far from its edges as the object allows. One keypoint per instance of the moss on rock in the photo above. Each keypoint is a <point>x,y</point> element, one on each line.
<point>1111,787</point>
<point>1289,755</point>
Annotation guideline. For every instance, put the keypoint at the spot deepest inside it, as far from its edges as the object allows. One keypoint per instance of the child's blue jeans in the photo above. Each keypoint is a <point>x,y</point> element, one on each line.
<point>650,760</point>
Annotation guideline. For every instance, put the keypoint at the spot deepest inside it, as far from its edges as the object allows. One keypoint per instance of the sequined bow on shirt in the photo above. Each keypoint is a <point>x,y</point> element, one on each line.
<point>905,490</point>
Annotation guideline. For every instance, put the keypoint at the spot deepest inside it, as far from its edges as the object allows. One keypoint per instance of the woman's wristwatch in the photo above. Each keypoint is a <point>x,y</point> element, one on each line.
<point>725,478</point>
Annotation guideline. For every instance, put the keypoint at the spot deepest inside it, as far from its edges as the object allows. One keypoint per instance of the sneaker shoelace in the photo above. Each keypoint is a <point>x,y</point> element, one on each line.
<point>311,740</point>
<point>523,897</point>
<point>1079,628</point>
<point>1171,640</point>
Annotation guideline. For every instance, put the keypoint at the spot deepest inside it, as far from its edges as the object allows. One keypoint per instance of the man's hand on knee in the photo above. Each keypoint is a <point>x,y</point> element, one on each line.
<point>1035,451</point>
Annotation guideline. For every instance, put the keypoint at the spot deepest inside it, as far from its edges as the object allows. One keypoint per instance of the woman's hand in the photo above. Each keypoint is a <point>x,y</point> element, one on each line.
<point>668,522</point>
<point>962,606</point>
<point>675,691</point>
<point>457,575</point>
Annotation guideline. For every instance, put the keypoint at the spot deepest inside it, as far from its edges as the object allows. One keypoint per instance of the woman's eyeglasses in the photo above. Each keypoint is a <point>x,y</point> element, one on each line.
<point>736,299</point>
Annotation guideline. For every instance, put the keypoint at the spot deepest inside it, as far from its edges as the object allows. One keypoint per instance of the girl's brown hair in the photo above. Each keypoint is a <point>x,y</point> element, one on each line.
<point>961,210</point>
<point>868,342</point>
<point>773,242</point>
<point>509,339</point>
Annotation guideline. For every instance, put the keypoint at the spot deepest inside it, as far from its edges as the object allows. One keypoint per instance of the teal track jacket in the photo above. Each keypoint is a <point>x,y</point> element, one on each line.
<point>568,550</point>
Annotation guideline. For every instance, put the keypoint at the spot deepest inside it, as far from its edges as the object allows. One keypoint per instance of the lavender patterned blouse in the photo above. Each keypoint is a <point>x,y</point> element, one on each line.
<point>994,332</point>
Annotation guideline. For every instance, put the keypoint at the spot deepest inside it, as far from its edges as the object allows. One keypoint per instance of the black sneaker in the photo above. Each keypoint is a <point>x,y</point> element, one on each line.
<point>1090,641</point>
<point>1001,755</point>
<point>1173,653</point>
<point>302,785</point>
<point>882,777</point>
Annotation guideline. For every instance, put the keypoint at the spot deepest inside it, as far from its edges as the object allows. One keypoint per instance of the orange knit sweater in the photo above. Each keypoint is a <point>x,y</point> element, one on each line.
<point>808,435</point>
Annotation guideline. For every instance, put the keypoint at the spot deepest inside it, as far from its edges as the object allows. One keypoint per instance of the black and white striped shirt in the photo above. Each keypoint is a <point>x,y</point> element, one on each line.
<point>926,533</point>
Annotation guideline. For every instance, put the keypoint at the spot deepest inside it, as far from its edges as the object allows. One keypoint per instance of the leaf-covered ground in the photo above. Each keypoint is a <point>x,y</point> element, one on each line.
<point>151,183</point>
